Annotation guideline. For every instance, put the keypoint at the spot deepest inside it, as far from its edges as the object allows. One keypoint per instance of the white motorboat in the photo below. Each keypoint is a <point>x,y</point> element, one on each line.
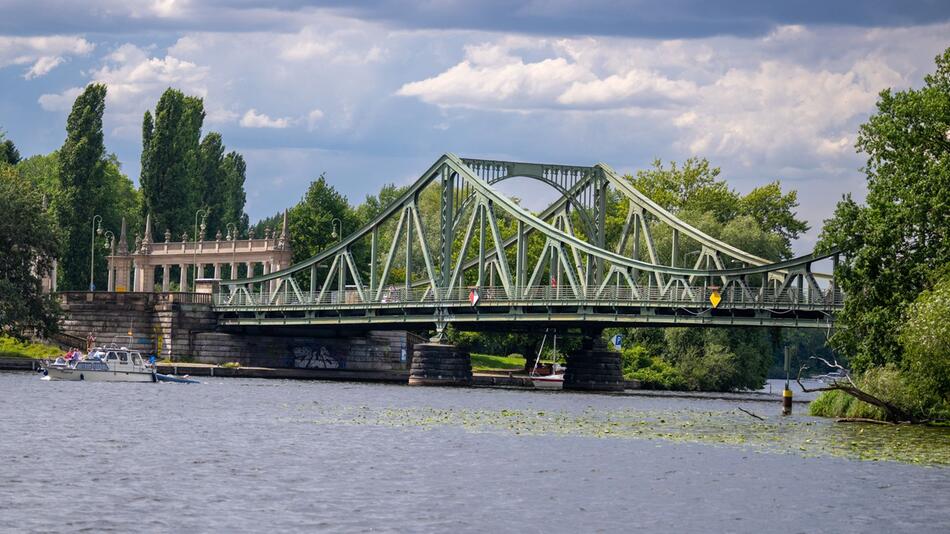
<point>104,365</point>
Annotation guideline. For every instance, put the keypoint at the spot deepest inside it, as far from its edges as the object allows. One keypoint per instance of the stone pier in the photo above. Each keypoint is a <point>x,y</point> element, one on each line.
<point>594,367</point>
<point>182,327</point>
<point>437,364</point>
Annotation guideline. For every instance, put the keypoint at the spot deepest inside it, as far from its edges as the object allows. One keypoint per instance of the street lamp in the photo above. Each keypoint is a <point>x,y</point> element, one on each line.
<point>110,246</point>
<point>232,237</point>
<point>336,223</point>
<point>92,250</point>
<point>204,218</point>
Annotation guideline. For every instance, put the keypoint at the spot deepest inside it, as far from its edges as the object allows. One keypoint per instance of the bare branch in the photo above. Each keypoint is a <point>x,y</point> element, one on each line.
<point>750,413</point>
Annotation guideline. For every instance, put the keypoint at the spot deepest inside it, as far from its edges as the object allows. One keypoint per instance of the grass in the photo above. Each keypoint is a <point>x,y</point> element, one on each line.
<point>11,348</point>
<point>487,362</point>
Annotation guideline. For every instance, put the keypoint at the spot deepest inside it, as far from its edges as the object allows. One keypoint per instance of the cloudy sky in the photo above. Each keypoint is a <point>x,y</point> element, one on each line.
<point>375,93</point>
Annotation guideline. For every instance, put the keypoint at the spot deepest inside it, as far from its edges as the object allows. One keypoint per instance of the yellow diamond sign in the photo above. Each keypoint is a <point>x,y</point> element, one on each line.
<point>715,298</point>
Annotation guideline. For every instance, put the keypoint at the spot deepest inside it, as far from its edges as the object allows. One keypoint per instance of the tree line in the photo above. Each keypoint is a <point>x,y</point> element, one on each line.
<point>182,172</point>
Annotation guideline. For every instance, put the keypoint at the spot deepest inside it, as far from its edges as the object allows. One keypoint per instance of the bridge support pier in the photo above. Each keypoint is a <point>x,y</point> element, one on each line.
<point>594,367</point>
<point>437,364</point>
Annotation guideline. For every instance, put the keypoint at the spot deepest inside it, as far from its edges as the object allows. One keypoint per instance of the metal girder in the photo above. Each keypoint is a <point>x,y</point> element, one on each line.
<point>582,271</point>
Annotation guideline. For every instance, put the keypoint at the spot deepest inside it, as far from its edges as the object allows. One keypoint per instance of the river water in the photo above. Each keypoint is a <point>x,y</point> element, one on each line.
<point>240,455</point>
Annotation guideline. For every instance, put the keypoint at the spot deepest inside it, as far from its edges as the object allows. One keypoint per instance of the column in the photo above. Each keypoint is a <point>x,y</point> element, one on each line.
<point>166,273</point>
<point>217,271</point>
<point>234,271</point>
<point>148,278</point>
<point>183,282</point>
<point>250,269</point>
<point>270,284</point>
<point>111,284</point>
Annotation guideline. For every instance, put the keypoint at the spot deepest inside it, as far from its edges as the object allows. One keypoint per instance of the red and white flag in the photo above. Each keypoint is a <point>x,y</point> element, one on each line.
<point>473,297</point>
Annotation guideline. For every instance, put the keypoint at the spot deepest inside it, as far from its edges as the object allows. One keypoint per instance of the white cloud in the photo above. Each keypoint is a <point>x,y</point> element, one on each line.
<point>43,65</point>
<point>135,80</point>
<point>253,119</point>
<point>44,52</point>
<point>491,76</point>
<point>313,118</point>
<point>60,101</point>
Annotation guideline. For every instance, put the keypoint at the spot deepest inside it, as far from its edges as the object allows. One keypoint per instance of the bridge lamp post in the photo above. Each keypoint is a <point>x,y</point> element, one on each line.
<point>92,250</point>
<point>110,246</point>
<point>232,237</point>
<point>336,223</point>
<point>204,217</point>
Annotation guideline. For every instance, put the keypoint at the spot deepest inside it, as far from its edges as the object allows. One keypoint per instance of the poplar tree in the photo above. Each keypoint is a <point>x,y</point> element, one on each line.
<point>233,197</point>
<point>211,181</point>
<point>81,172</point>
<point>170,161</point>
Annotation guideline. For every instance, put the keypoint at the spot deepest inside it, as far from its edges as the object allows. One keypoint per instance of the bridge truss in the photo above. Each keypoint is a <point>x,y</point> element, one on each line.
<point>452,249</point>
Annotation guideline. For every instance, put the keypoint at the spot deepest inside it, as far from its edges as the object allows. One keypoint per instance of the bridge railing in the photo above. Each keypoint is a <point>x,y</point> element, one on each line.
<point>673,296</point>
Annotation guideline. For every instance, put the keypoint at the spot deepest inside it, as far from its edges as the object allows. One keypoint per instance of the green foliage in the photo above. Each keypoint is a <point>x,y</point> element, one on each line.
<point>170,162</point>
<point>82,166</point>
<point>894,243</point>
<point>762,222</point>
<point>694,185</point>
<point>925,338</point>
<point>114,197</point>
<point>232,195</point>
<point>899,387</point>
<point>11,347</point>
<point>840,404</point>
<point>311,221</point>
<point>29,243</point>
<point>653,372</point>
<point>42,170</point>
<point>8,151</point>
<point>719,359</point>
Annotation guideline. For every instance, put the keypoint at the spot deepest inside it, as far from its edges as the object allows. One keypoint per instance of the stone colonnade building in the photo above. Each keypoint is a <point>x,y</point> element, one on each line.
<point>135,270</point>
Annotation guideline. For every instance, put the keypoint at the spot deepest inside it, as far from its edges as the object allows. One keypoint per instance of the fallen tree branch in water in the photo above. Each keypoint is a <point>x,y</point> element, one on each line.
<point>892,413</point>
<point>862,420</point>
<point>750,413</point>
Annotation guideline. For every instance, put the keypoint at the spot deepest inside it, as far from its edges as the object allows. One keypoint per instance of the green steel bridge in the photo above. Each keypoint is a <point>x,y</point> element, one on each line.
<point>454,250</point>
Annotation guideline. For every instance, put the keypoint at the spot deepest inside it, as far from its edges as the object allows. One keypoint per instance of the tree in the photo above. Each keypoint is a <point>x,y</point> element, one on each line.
<point>762,222</point>
<point>774,213</point>
<point>170,161</point>
<point>29,242</point>
<point>8,151</point>
<point>210,179</point>
<point>232,192</point>
<point>42,170</point>
<point>311,220</point>
<point>893,245</point>
<point>925,338</point>
<point>81,170</point>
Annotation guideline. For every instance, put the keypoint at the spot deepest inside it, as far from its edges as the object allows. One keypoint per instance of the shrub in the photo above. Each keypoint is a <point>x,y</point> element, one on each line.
<point>653,372</point>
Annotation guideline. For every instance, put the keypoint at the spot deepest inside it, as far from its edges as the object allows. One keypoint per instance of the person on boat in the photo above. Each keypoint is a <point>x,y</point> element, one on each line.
<point>70,354</point>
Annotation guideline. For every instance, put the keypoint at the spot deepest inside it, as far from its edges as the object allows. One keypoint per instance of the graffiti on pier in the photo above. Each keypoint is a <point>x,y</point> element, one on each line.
<point>315,358</point>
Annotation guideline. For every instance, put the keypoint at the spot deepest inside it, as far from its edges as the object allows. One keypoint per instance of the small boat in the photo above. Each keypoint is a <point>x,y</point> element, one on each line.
<point>551,381</point>
<point>103,364</point>
<point>554,380</point>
